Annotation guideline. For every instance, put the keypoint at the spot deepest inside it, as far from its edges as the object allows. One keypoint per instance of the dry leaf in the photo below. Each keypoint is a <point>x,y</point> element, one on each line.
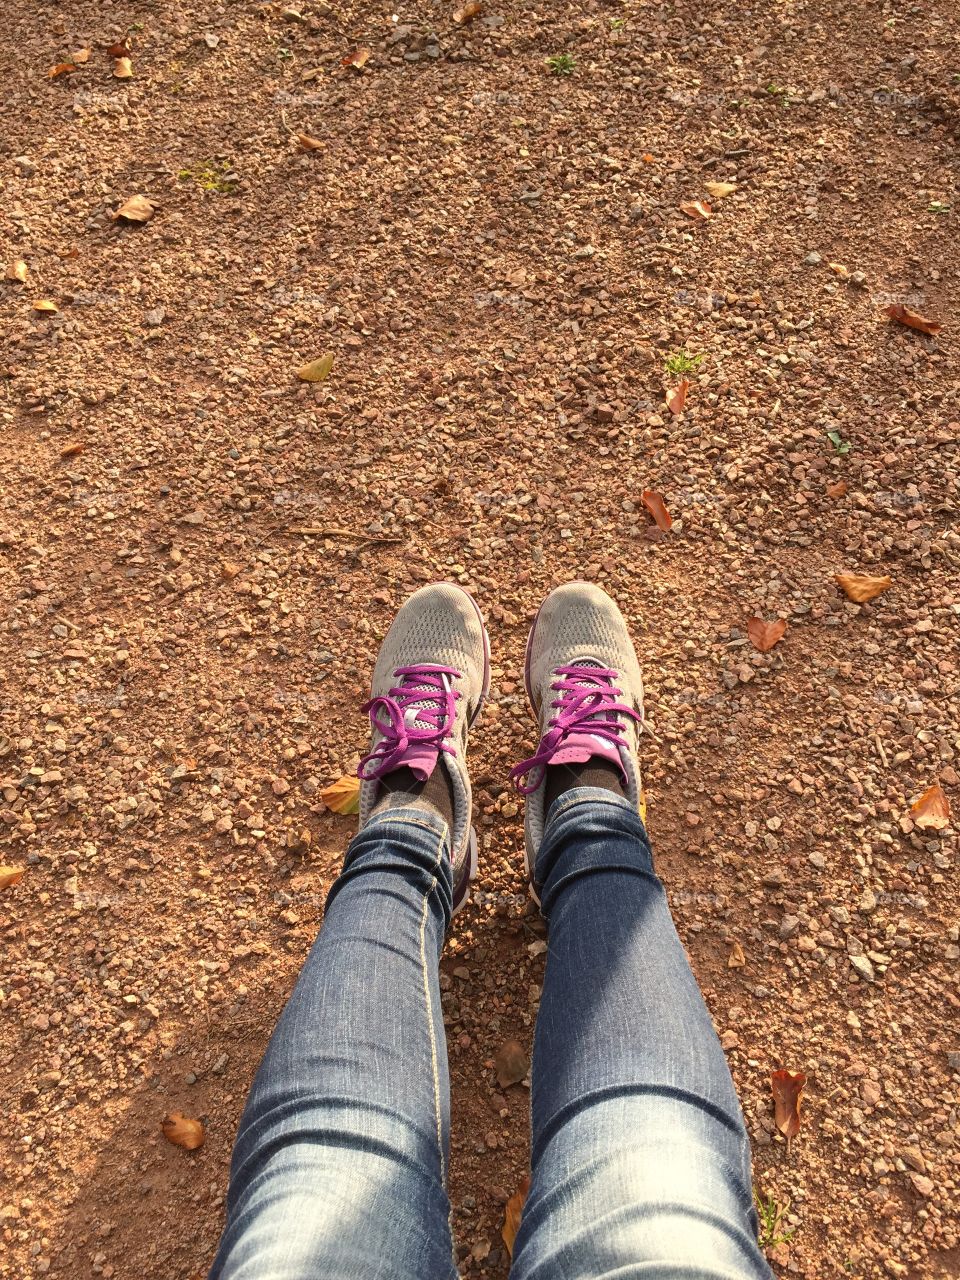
<point>839,269</point>
<point>696,209</point>
<point>837,490</point>
<point>309,144</point>
<point>118,50</point>
<point>61,69</point>
<point>357,59</point>
<point>764,635</point>
<point>10,876</point>
<point>932,810</point>
<point>316,370</point>
<point>343,796</point>
<point>787,1088</point>
<point>677,398</point>
<point>136,209</point>
<point>44,304</point>
<point>513,1213</point>
<point>80,57</point>
<point>122,69</point>
<point>717,190</point>
<point>511,1063</point>
<point>736,959</point>
<point>861,587</point>
<point>655,504</point>
<point>18,270</point>
<point>471,10</point>
<point>182,1131</point>
<point>71,450</point>
<point>903,315</point>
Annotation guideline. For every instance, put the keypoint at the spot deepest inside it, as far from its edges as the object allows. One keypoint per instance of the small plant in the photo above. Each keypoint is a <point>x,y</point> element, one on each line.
<point>681,362</point>
<point>938,206</point>
<point>778,91</point>
<point>213,175</point>
<point>771,1216</point>
<point>617,24</point>
<point>284,53</point>
<point>836,439</point>
<point>561,64</point>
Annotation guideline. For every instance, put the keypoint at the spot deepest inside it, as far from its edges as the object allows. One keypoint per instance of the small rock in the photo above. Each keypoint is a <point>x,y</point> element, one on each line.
<point>863,967</point>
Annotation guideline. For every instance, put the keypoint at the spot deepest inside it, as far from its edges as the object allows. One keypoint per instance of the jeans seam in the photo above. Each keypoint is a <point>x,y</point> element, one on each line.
<point>431,1027</point>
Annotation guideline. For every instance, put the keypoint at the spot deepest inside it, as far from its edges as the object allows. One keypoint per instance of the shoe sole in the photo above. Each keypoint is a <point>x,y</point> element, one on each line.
<point>473,854</point>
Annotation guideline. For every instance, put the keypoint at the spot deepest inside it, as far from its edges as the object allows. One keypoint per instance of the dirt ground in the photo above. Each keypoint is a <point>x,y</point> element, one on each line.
<point>495,254</point>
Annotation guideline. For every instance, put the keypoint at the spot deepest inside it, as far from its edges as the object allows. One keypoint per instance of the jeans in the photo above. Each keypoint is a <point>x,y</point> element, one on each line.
<point>640,1160</point>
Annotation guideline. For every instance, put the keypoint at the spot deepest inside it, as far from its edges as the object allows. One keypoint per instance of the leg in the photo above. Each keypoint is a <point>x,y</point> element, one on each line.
<point>339,1165</point>
<point>641,1164</point>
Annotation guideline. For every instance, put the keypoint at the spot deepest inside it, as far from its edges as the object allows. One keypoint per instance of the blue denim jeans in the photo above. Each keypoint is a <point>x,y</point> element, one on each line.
<point>640,1161</point>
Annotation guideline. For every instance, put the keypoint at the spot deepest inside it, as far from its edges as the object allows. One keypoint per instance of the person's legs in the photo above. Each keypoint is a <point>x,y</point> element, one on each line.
<point>340,1163</point>
<point>640,1159</point>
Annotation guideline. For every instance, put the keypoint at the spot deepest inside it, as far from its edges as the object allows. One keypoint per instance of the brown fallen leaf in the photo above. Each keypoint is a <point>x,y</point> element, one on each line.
<point>122,68</point>
<point>230,569</point>
<point>468,11</point>
<point>513,1214</point>
<point>903,315</point>
<point>839,269</point>
<point>787,1087</point>
<point>118,50</point>
<point>655,504</point>
<point>696,209</point>
<point>80,57</point>
<point>932,811</point>
<point>717,190</point>
<point>677,398</point>
<point>17,270</point>
<point>182,1131</point>
<point>136,209</point>
<point>837,490</point>
<point>309,144</point>
<point>736,959</point>
<point>316,370</point>
<point>764,635</point>
<point>343,796</point>
<point>356,59</point>
<point>44,304</point>
<point>10,876</point>
<point>71,450</point>
<point>511,1063</point>
<point>860,587</point>
<point>61,69</point>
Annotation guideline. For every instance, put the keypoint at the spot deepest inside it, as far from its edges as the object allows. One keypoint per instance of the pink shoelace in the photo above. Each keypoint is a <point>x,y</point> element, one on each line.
<point>419,710</point>
<point>587,705</point>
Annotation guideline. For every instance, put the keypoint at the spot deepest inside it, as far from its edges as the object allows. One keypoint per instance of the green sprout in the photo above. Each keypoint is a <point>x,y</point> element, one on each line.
<point>682,362</point>
<point>836,439</point>
<point>771,1216</point>
<point>561,64</point>
<point>212,176</point>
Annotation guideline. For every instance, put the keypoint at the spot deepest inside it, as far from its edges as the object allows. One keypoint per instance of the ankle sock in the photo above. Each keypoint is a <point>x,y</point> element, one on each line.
<point>403,789</point>
<point>592,773</point>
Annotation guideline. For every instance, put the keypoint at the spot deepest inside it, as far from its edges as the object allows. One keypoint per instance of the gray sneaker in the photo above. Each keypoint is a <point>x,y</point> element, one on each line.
<point>431,677</point>
<point>585,687</point>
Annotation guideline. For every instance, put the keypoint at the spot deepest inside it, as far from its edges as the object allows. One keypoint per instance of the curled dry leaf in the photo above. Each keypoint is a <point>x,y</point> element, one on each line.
<point>677,398</point>
<point>357,59</point>
<point>839,269</point>
<point>122,68</point>
<point>511,1063</point>
<point>860,587</point>
<point>764,635</point>
<point>343,796</point>
<point>307,143</point>
<point>837,490</point>
<point>10,876</point>
<point>182,1131</point>
<point>736,959</point>
<point>467,12</point>
<point>136,209</point>
<point>316,370</point>
<point>80,57</point>
<point>44,304</point>
<point>717,190</point>
<point>513,1214</point>
<point>655,504</point>
<point>71,450</point>
<point>787,1089</point>
<point>61,69</point>
<point>17,270</point>
<point>696,209</point>
<point>932,810</point>
<point>903,315</point>
<point>118,50</point>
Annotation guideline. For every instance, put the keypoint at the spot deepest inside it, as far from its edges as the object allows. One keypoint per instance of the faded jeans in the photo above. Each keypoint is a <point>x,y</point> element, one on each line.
<point>640,1160</point>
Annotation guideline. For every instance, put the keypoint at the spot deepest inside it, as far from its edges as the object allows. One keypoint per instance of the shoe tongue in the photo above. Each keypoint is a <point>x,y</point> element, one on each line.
<point>581,747</point>
<point>421,759</point>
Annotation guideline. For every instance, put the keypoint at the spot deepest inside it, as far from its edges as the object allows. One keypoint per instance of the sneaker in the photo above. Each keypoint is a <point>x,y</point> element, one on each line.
<point>586,691</point>
<point>431,677</point>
